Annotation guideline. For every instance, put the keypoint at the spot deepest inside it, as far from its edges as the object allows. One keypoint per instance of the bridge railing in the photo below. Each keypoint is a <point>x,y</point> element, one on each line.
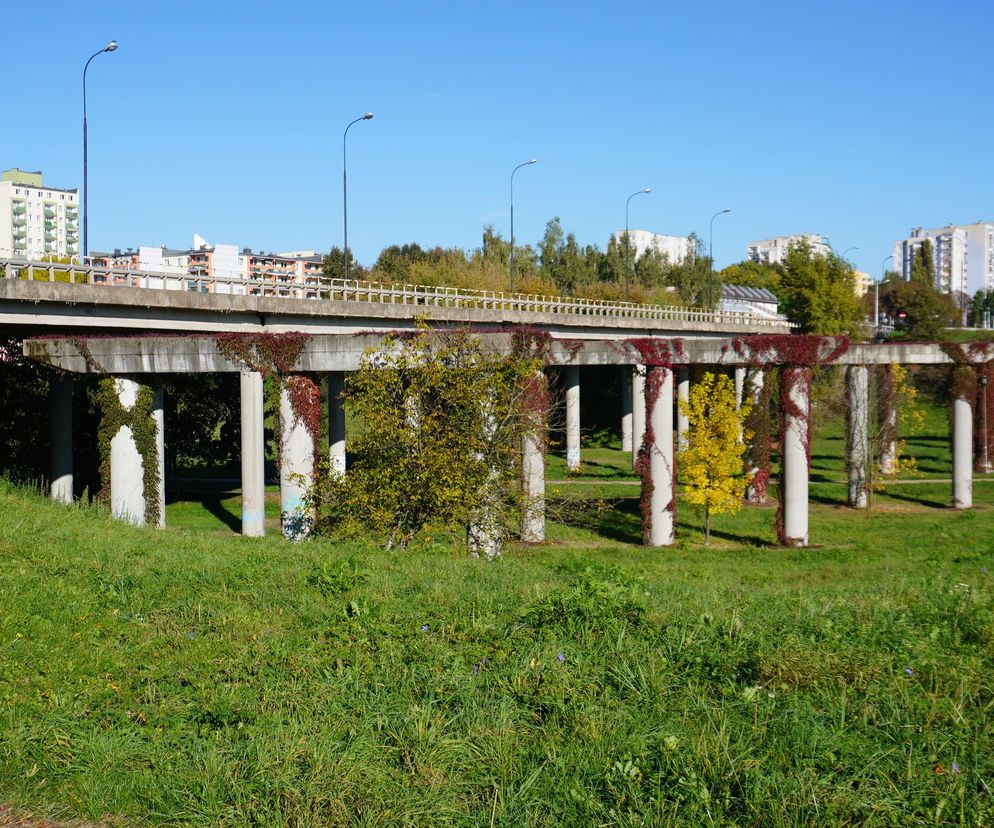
<point>320,287</point>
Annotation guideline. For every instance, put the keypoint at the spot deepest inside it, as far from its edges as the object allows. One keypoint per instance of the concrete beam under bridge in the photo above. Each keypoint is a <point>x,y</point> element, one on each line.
<point>338,352</point>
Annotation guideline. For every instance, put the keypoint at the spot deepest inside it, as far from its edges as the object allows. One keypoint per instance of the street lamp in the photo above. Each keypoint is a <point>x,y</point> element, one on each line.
<point>345,191</point>
<point>628,263</point>
<point>711,254</point>
<point>856,247</point>
<point>110,47</point>
<point>876,295</point>
<point>511,261</point>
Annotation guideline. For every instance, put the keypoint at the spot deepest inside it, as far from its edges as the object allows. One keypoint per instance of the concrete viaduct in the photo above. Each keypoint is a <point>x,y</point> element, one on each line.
<point>119,324</point>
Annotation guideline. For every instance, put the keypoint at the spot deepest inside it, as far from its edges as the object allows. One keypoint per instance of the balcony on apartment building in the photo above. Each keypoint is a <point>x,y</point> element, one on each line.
<point>18,208</point>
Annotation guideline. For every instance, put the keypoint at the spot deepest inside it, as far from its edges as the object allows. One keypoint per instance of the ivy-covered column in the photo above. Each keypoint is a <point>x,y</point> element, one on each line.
<point>336,422</point>
<point>888,421</point>
<point>964,392</point>
<point>131,448</point>
<point>625,381</point>
<point>533,439</point>
<point>253,455</point>
<point>638,411</point>
<point>740,377</point>
<point>759,424</point>
<point>682,394</point>
<point>657,467</point>
<point>858,434</point>
<point>300,416</point>
<point>571,374</point>
<point>795,429</point>
<point>60,430</point>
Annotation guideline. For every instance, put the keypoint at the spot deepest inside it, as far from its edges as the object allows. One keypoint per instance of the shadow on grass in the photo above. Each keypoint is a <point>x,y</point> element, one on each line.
<point>216,507</point>
<point>745,540</point>
<point>918,501</point>
<point>614,518</point>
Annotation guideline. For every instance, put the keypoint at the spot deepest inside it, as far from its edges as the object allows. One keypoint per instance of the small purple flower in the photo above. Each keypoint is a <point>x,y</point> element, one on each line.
<point>424,628</point>
<point>955,767</point>
<point>561,658</point>
<point>908,671</point>
<point>476,669</point>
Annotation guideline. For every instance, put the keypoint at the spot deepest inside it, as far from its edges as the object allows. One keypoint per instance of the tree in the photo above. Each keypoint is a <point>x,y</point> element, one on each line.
<point>753,274</point>
<point>818,293</point>
<point>713,463</point>
<point>918,308</point>
<point>394,262</point>
<point>442,415</point>
<point>334,265</point>
<point>923,264</point>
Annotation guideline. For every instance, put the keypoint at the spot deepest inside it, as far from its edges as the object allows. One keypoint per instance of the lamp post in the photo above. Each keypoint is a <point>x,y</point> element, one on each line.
<point>110,47</point>
<point>345,191</point>
<point>855,247</point>
<point>876,294</point>
<point>711,254</point>
<point>511,260</point>
<point>628,258</point>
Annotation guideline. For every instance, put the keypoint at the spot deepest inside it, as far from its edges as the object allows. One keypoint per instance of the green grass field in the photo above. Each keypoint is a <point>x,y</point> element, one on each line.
<point>194,677</point>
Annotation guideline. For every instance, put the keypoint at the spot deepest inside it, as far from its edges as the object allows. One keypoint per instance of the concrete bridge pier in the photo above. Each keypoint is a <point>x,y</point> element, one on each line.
<point>60,431</point>
<point>682,393</point>
<point>660,531</point>
<point>127,468</point>
<point>962,454</point>
<point>740,377</point>
<point>533,461</point>
<point>625,381</point>
<point>571,375</point>
<point>795,383</point>
<point>253,456</point>
<point>858,434</point>
<point>336,422</point>
<point>638,410</point>
<point>754,388</point>
<point>296,468</point>
<point>888,421</point>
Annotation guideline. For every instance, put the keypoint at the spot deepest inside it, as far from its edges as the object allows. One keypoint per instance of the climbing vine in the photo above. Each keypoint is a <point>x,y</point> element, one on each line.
<point>144,430</point>
<point>984,445</point>
<point>759,422</point>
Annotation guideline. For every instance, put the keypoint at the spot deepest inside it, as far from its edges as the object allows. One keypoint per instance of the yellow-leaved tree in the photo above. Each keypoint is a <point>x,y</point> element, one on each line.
<point>713,462</point>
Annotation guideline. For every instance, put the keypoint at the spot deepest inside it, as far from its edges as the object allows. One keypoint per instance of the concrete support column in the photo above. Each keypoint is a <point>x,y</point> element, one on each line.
<point>296,467</point>
<point>740,376</point>
<point>571,374</point>
<point>159,415</point>
<point>858,434</point>
<point>336,422</point>
<point>127,469</point>
<point>962,454</point>
<point>626,408</point>
<point>682,393</point>
<point>795,385</point>
<point>659,401</point>
<point>484,535</point>
<point>60,431</point>
<point>888,422</point>
<point>758,478</point>
<point>533,461</point>
<point>253,456</point>
<point>638,410</point>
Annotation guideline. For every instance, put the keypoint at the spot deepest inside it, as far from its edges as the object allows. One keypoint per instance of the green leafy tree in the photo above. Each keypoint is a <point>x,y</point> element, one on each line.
<point>923,264</point>
<point>713,463</point>
<point>334,265</point>
<point>395,261</point>
<point>442,416</point>
<point>918,309</point>
<point>753,274</point>
<point>818,293</point>
<point>651,269</point>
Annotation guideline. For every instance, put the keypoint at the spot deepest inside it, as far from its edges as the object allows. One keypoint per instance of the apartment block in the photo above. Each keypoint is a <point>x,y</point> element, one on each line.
<point>676,249</point>
<point>774,251</point>
<point>36,221</point>
<point>963,255</point>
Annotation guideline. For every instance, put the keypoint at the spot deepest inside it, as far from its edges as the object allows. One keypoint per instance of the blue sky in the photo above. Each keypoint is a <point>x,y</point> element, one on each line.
<point>858,120</point>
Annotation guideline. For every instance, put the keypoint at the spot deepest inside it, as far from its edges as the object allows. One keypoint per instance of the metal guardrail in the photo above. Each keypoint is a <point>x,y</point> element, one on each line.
<point>325,288</point>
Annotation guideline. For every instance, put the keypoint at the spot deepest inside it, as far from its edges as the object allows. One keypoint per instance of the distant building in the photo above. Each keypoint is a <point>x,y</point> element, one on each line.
<point>222,268</point>
<point>742,299</point>
<point>773,251</point>
<point>862,283</point>
<point>36,221</point>
<point>676,249</point>
<point>963,255</point>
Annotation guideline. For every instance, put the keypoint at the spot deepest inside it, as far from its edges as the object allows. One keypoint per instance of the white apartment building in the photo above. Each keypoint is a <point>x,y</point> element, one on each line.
<point>676,249</point>
<point>774,251</point>
<point>963,256</point>
<point>36,221</point>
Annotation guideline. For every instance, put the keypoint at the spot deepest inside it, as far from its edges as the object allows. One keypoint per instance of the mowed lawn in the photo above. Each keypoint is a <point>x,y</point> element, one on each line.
<point>194,677</point>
